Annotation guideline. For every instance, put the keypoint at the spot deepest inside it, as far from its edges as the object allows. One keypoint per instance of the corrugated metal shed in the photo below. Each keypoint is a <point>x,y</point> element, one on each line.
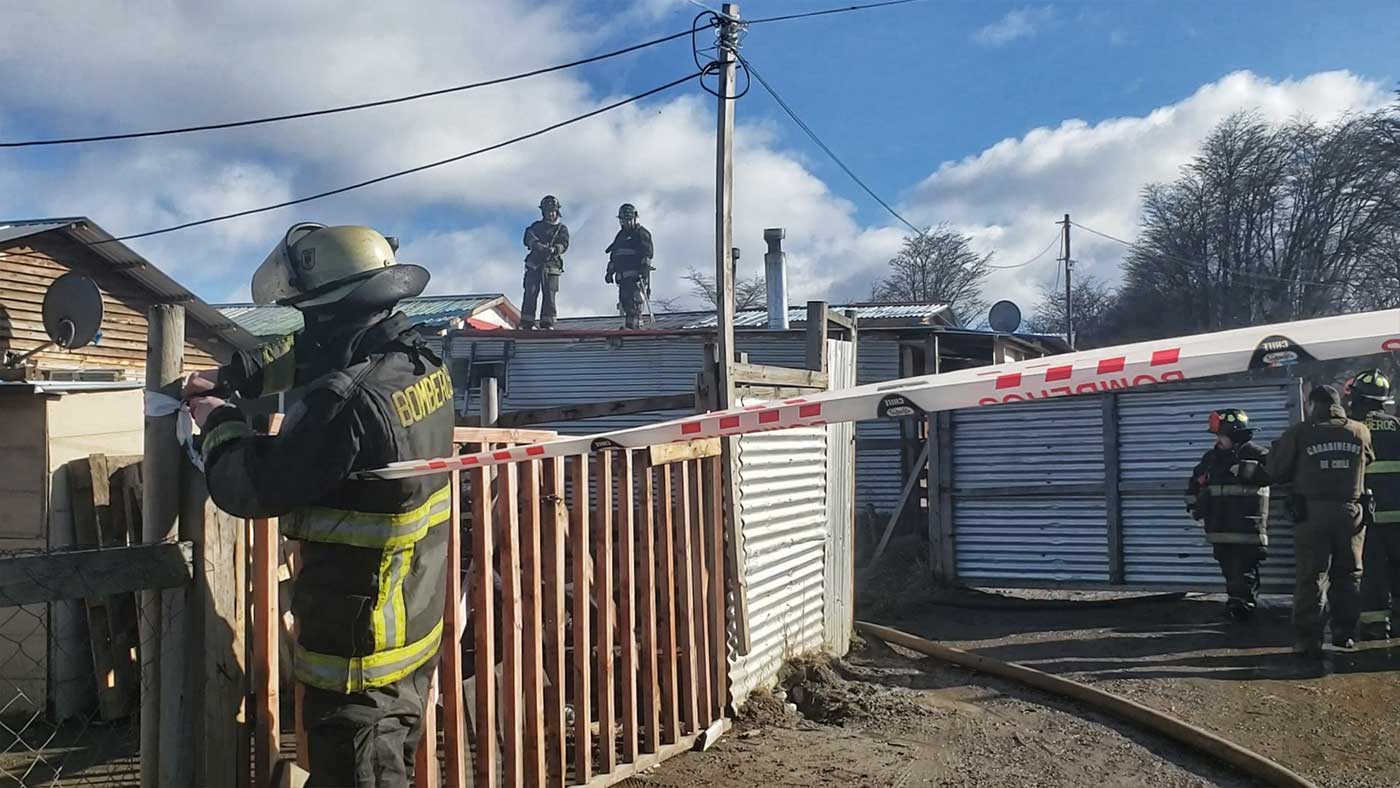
<point>267,320</point>
<point>1161,545</point>
<point>1054,535</point>
<point>879,468</point>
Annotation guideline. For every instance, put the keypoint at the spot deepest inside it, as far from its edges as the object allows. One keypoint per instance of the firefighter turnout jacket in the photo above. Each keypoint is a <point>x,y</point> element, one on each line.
<point>369,596</point>
<point>1383,475</point>
<point>1229,491</point>
<point>630,252</point>
<point>1324,458</point>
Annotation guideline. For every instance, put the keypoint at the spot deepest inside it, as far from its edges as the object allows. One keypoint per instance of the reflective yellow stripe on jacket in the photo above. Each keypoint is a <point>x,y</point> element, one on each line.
<point>356,674</point>
<point>369,529</point>
<point>1238,489</point>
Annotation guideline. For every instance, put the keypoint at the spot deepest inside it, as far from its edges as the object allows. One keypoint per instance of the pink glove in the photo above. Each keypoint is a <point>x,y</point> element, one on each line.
<point>199,383</point>
<point>201,407</point>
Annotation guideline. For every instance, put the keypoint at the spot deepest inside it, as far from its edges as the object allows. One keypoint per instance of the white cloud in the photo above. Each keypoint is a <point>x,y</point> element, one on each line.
<point>1018,23</point>
<point>1009,196</point>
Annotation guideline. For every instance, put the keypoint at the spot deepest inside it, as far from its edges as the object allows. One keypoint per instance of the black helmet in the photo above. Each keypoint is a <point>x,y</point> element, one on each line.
<point>627,211</point>
<point>1371,384</point>
<point>551,203</point>
<point>1230,422</point>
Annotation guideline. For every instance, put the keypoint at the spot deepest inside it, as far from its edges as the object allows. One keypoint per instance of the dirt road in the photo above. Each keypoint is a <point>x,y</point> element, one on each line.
<point>883,718</point>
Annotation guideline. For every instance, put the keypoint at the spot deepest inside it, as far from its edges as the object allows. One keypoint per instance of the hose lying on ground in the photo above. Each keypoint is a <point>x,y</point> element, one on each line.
<point>1247,761</point>
<point>988,600</point>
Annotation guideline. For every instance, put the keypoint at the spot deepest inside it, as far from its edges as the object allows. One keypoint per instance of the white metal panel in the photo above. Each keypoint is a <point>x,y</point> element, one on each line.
<point>840,510</point>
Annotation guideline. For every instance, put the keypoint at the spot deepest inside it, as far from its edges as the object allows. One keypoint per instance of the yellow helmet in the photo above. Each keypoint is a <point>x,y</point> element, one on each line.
<point>349,266</point>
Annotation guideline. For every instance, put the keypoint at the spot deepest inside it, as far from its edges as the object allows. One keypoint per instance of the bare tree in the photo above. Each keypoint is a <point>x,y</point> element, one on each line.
<point>939,266</point>
<point>1093,303</point>
<point>749,293</point>
<point>1265,224</point>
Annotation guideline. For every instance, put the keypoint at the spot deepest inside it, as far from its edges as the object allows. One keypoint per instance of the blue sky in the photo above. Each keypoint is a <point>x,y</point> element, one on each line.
<point>993,117</point>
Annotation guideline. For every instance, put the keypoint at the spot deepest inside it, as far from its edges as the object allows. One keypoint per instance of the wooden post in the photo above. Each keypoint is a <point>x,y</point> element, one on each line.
<point>583,673</point>
<point>483,616</point>
<point>160,501</point>
<point>454,724</point>
<point>556,524</point>
<point>627,603</point>
<point>685,601</point>
<point>425,760</point>
<point>816,335</point>
<point>666,614</point>
<point>724,200</point>
<point>700,606</point>
<point>647,591</point>
<point>512,719</point>
<point>531,591</point>
<point>603,579</point>
<point>266,657</point>
<point>714,532</point>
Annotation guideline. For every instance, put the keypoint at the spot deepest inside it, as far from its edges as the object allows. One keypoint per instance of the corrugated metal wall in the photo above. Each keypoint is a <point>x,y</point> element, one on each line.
<point>879,472</point>
<point>1014,517</point>
<point>1161,438</point>
<point>1029,502</point>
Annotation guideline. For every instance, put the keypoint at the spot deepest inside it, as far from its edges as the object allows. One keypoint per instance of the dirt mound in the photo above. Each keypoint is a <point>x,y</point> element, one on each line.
<point>822,694</point>
<point>763,709</point>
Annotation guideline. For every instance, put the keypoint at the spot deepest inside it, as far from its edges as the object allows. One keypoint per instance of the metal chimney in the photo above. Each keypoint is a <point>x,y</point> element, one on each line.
<point>775,277</point>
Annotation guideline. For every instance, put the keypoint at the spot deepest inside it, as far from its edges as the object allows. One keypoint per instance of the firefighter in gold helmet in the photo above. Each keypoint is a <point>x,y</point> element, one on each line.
<point>370,593</point>
<point>1367,395</point>
<point>1229,492</point>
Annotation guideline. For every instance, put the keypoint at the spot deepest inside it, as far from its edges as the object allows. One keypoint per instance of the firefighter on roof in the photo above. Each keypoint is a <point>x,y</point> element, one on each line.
<point>1325,459</point>
<point>369,597</point>
<point>1367,396</point>
<point>545,241</point>
<point>1228,491</point>
<point>629,264</point>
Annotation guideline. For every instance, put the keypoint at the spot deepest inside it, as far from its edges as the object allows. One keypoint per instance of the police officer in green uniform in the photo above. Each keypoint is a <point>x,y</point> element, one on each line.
<point>370,594</point>
<point>629,264</point>
<point>545,241</point>
<point>1228,491</point>
<point>1380,586</point>
<point>1325,459</point>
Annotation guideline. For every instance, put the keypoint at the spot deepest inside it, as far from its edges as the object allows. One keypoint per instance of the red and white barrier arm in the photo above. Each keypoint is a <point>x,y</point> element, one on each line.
<point>1088,372</point>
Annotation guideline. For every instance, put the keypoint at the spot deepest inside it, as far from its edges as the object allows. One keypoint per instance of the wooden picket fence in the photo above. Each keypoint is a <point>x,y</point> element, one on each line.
<point>592,644</point>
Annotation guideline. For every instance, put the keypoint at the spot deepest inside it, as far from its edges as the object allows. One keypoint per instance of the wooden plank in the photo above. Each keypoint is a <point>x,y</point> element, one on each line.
<point>426,771</point>
<point>582,667</point>
<point>267,703</point>
<point>498,435</point>
<point>666,613</point>
<point>303,757</point>
<point>836,318</point>
<point>647,593</point>
<point>1112,502</point>
<point>593,410</point>
<point>680,452</point>
<point>650,761</point>
<point>532,589</point>
<point>685,602</point>
<point>84,478</point>
<point>218,667</point>
<point>626,603</point>
<point>714,533</point>
<point>779,376</point>
<point>556,522</point>
<point>916,471</point>
<point>700,606</point>
<point>485,771</point>
<point>118,524</point>
<point>512,716</point>
<point>456,757</point>
<point>817,313</point>
<point>28,579</point>
<point>603,596</point>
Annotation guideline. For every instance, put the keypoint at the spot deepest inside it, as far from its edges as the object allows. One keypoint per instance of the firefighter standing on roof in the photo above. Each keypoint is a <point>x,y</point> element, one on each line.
<point>629,264</point>
<point>370,594</point>
<point>1380,586</point>
<point>1325,458</point>
<point>1228,491</point>
<point>546,241</point>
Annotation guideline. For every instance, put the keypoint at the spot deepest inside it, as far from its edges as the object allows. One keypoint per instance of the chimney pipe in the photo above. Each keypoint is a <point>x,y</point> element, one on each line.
<point>775,277</point>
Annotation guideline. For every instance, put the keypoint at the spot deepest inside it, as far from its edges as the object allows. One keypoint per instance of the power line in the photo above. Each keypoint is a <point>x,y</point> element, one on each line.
<point>1203,264</point>
<point>813,135</point>
<point>840,10</point>
<point>349,107</point>
<point>411,170</point>
<point>1047,248</point>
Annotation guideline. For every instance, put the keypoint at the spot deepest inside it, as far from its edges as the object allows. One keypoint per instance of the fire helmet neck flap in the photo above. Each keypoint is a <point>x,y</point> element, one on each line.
<point>346,267</point>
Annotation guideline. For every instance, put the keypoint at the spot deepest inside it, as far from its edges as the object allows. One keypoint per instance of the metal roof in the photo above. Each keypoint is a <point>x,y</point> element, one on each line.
<point>67,386</point>
<point>916,313</point>
<point>269,320</point>
<point>133,266</point>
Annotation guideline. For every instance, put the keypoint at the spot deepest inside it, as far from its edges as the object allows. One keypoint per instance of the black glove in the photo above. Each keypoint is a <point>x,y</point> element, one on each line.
<point>608,277</point>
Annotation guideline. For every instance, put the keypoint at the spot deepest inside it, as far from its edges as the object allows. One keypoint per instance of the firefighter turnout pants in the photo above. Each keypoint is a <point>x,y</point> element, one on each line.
<point>1329,545</point>
<point>1239,563</point>
<point>1380,587</point>
<point>541,288</point>
<point>366,739</point>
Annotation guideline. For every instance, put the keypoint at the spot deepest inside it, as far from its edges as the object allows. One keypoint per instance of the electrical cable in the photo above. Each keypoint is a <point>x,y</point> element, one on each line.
<point>841,10</point>
<point>1203,264</point>
<point>1032,260</point>
<point>348,107</point>
<point>813,135</point>
<point>411,170</point>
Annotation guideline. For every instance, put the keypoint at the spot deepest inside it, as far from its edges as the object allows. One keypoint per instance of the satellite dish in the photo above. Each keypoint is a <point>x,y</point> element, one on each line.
<point>72,311</point>
<point>1005,317</point>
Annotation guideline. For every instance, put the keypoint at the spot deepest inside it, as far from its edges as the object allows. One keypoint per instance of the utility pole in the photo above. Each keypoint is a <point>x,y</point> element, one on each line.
<point>724,202</point>
<point>1069,290</point>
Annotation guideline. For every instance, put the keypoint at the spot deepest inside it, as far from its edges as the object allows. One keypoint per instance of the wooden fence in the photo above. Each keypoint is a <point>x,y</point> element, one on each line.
<point>592,644</point>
